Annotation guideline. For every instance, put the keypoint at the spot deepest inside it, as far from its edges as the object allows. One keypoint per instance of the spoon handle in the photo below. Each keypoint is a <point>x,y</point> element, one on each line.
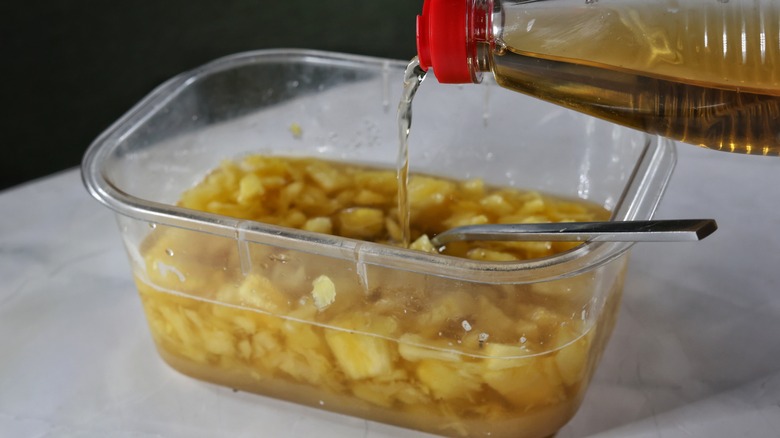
<point>674,230</point>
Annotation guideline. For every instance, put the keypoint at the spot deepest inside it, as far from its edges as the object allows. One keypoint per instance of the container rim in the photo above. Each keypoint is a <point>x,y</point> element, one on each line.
<point>647,183</point>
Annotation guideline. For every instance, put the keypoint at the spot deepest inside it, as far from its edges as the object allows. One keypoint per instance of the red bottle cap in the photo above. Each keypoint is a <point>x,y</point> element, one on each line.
<point>441,40</point>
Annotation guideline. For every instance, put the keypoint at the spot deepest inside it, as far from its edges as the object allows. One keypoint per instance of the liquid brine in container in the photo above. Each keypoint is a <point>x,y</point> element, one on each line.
<point>699,71</point>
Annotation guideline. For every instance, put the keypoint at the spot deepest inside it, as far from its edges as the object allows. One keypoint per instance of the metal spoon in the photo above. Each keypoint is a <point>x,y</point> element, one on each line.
<point>675,230</point>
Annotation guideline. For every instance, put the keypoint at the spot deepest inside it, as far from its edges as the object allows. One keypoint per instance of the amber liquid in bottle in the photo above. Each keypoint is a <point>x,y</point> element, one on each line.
<point>705,73</point>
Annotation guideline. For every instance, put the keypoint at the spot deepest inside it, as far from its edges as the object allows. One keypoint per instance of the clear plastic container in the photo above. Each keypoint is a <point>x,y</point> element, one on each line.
<point>227,300</point>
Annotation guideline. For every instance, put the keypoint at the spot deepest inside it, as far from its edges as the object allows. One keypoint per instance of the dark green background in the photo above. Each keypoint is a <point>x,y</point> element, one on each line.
<point>71,68</point>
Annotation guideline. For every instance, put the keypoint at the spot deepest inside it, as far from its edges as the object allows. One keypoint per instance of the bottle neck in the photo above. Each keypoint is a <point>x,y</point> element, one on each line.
<point>479,35</point>
<point>455,37</point>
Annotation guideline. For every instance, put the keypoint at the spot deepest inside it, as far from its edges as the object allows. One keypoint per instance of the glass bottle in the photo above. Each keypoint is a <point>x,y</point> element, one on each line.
<point>705,72</point>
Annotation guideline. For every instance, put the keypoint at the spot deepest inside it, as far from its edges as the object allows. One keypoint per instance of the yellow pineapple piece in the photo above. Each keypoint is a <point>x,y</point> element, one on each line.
<point>177,326</point>
<point>503,356</point>
<point>423,243</point>
<point>452,305</point>
<point>528,385</point>
<point>288,194</point>
<point>323,292</point>
<point>267,350</point>
<point>250,189</point>
<point>566,287</point>
<point>305,355</point>
<point>393,229</point>
<point>360,356</point>
<point>319,225</point>
<point>245,324</point>
<point>361,222</point>
<point>572,358</point>
<point>387,393</point>
<point>259,292</point>
<point>448,381</point>
<point>429,197</point>
<point>309,367</point>
<point>244,349</point>
<point>294,219</point>
<point>492,318</point>
<point>373,392</point>
<point>382,182</point>
<point>414,348</point>
<point>462,219</point>
<point>367,197</point>
<point>327,177</point>
<point>239,321</point>
<point>532,207</point>
<point>473,188</point>
<point>218,342</point>
<point>546,319</point>
<point>194,318</point>
<point>496,204</point>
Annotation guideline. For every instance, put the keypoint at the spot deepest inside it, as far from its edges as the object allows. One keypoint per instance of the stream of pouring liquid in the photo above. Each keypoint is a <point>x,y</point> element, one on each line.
<point>413,77</point>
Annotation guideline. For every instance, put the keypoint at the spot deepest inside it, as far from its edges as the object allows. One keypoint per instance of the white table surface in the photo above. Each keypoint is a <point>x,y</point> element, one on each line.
<point>696,351</point>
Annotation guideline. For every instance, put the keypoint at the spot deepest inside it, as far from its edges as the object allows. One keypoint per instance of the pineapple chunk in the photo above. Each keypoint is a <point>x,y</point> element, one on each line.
<point>244,349</point>
<point>319,225</point>
<point>496,204</point>
<point>423,243</point>
<point>448,381</point>
<point>412,348</point>
<point>394,230</point>
<point>367,197</point>
<point>265,344</point>
<point>219,342</point>
<point>250,188</point>
<point>387,393</point>
<point>361,222</point>
<point>382,182</point>
<point>244,323</point>
<point>323,292</point>
<point>465,218</point>
<point>360,356</point>
<point>571,359</point>
<point>259,292</point>
<point>527,386</point>
<point>474,187</point>
<point>532,207</point>
<point>375,393</point>
<point>503,356</point>
<point>426,192</point>
<point>567,287</point>
<point>328,178</point>
<point>451,306</point>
